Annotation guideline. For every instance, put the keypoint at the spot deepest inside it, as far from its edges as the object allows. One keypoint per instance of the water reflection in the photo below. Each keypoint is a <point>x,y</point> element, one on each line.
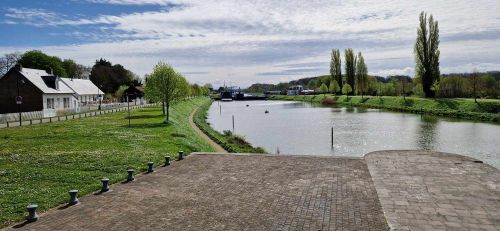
<point>426,133</point>
<point>304,128</point>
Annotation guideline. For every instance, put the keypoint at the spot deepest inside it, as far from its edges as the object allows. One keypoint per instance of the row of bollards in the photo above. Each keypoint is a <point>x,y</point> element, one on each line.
<point>73,194</point>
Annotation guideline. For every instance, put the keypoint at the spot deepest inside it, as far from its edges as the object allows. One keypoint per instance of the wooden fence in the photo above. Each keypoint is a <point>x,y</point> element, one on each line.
<point>10,124</point>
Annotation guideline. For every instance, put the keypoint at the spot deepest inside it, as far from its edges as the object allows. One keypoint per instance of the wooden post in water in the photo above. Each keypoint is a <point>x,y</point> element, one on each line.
<point>233,123</point>
<point>332,137</point>
<point>220,109</point>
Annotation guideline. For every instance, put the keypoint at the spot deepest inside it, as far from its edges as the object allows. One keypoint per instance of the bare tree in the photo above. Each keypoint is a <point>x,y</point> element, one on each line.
<point>8,61</point>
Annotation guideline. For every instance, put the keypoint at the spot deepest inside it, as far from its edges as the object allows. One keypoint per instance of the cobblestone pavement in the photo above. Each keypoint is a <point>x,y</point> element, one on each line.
<point>233,192</point>
<point>422,190</point>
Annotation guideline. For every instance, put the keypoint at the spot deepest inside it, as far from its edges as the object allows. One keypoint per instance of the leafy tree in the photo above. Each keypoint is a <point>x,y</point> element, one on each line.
<point>323,88</point>
<point>427,54</point>
<point>350,67</point>
<point>336,67</point>
<point>489,87</point>
<point>70,67</point>
<point>196,90</point>
<point>121,90</point>
<point>39,60</point>
<point>361,75</point>
<point>110,77</point>
<point>8,61</point>
<point>334,87</point>
<point>313,84</point>
<point>346,89</point>
<point>166,85</point>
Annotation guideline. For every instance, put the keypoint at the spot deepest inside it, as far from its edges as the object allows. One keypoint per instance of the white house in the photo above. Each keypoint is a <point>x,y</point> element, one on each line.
<point>86,91</point>
<point>56,95</point>
<point>38,91</point>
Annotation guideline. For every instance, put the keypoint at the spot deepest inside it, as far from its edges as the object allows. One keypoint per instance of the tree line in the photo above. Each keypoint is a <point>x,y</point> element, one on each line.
<point>427,82</point>
<point>108,77</point>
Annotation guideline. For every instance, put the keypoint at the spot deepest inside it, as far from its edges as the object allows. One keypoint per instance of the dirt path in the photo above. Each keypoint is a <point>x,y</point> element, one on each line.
<point>217,147</point>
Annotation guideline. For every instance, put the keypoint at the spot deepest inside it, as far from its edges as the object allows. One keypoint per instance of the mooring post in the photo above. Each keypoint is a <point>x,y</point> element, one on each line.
<point>32,216</point>
<point>220,109</point>
<point>73,200</point>
<point>233,123</point>
<point>332,137</point>
<point>150,167</point>
<point>105,185</point>
<point>181,155</point>
<point>130,176</point>
<point>167,160</point>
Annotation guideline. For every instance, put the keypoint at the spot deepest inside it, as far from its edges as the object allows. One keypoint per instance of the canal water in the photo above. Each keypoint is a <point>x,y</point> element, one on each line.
<point>300,128</point>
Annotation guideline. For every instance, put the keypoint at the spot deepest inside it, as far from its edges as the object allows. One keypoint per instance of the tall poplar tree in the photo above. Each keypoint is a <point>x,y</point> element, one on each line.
<point>361,75</point>
<point>427,53</point>
<point>336,67</point>
<point>350,67</point>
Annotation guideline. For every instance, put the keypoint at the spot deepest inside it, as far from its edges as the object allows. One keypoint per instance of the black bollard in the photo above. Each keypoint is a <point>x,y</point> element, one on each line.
<point>181,155</point>
<point>167,160</point>
<point>150,167</point>
<point>32,216</point>
<point>130,176</point>
<point>105,185</point>
<point>73,200</point>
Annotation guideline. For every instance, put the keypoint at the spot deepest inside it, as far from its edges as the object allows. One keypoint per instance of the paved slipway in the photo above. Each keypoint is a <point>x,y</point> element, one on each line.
<point>399,190</point>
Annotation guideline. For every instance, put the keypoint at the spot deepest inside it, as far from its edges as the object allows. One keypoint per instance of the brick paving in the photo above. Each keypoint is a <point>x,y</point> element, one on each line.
<point>233,192</point>
<point>422,190</point>
<point>398,190</point>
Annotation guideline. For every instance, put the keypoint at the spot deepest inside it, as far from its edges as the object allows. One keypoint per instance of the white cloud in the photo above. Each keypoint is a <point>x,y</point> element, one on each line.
<point>240,40</point>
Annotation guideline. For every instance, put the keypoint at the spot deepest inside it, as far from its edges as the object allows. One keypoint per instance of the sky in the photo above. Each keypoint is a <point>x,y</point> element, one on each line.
<point>245,42</point>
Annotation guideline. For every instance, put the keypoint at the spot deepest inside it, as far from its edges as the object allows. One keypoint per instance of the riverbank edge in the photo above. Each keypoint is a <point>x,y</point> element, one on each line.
<point>242,146</point>
<point>410,104</point>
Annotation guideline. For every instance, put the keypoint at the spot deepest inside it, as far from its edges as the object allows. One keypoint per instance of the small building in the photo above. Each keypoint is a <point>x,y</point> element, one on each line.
<point>85,91</point>
<point>295,90</point>
<point>30,90</point>
<point>135,94</point>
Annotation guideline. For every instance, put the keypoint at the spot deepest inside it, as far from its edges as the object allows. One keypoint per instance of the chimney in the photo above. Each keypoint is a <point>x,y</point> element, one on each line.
<point>19,67</point>
<point>50,71</point>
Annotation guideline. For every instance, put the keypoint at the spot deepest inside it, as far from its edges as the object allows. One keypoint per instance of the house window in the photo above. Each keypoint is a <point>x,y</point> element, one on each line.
<point>50,103</point>
<point>66,102</point>
<point>58,103</point>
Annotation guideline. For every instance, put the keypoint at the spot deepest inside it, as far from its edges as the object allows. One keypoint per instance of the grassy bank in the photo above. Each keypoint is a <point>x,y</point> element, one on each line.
<point>484,110</point>
<point>40,163</point>
<point>230,142</point>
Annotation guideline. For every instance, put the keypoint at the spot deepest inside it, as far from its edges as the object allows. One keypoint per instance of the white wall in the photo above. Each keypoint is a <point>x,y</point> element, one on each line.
<point>59,104</point>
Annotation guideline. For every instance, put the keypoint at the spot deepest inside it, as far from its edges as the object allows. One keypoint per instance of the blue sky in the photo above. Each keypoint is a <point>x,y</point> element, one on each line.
<point>243,42</point>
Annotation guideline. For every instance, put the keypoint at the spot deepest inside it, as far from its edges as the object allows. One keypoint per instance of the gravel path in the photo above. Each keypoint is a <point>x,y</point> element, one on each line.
<point>217,147</point>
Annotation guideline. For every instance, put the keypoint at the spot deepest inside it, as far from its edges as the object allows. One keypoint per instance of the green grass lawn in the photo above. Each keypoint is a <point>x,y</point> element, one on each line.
<point>485,110</point>
<point>40,163</point>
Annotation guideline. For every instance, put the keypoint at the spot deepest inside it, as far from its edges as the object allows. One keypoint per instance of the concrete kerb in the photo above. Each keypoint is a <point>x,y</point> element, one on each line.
<point>427,152</point>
